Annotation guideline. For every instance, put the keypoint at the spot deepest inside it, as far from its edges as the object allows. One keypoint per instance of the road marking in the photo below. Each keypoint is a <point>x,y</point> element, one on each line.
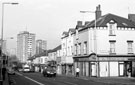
<point>34,80</point>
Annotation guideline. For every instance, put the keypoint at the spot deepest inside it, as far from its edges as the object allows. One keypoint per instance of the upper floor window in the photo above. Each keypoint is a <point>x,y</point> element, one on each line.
<point>112,46</point>
<point>72,50</point>
<point>111,29</point>
<point>130,46</point>
<point>85,48</point>
<point>79,48</point>
<point>75,49</point>
<point>68,50</point>
<point>63,44</point>
<point>77,37</point>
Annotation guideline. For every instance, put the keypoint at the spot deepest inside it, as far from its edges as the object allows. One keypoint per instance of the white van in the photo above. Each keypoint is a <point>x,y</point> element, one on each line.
<point>26,68</point>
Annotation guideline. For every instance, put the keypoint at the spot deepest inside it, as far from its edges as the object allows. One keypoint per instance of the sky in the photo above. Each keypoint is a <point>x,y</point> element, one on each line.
<point>48,19</point>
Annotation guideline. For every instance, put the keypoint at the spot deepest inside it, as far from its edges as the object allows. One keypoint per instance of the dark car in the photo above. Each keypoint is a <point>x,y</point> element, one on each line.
<point>10,71</point>
<point>49,71</point>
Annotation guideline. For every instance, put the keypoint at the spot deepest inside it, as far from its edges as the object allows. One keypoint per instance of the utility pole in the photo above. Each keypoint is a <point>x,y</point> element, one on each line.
<point>2,26</point>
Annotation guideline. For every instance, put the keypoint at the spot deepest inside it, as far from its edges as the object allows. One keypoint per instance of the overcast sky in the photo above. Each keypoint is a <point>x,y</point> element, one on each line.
<point>49,18</point>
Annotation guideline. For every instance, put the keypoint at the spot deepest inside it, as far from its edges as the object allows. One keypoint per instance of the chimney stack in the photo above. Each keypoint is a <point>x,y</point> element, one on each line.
<point>98,12</point>
<point>87,22</point>
<point>131,17</point>
<point>79,23</point>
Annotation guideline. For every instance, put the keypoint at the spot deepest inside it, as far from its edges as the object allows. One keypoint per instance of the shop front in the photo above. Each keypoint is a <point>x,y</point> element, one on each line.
<point>88,65</point>
<point>106,65</point>
<point>116,65</point>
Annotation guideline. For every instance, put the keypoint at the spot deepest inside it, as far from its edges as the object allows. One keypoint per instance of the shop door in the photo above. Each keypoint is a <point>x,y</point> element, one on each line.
<point>113,68</point>
<point>103,69</point>
<point>93,69</point>
<point>121,69</point>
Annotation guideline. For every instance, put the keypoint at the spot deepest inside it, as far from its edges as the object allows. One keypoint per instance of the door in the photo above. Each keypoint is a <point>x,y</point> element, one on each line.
<point>121,69</point>
<point>93,69</point>
<point>103,69</point>
<point>114,68</point>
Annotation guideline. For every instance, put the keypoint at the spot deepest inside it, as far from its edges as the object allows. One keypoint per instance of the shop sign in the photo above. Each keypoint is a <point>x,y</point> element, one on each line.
<point>91,58</point>
<point>113,58</point>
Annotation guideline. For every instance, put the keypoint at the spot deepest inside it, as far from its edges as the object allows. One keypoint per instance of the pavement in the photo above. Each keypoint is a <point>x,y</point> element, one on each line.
<point>109,80</point>
<point>5,82</point>
<point>8,80</point>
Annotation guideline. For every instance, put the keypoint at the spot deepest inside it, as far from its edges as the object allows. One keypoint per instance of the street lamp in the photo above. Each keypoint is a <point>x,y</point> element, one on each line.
<point>2,25</point>
<point>94,37</point>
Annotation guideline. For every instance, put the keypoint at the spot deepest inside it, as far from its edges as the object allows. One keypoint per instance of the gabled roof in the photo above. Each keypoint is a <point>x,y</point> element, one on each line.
<point>65,33</point>
<point>45,53</point>
<point>103,20</point>
<point>55,49</point>
<point>71,30</point>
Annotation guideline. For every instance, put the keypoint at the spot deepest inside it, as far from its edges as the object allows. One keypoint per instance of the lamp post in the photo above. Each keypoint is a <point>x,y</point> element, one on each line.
<point>2,26</point>
<point>94,38</point>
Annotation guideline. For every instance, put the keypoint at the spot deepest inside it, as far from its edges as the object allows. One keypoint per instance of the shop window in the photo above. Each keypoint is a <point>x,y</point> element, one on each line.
<point>112,46</point>
<point>130,46</point>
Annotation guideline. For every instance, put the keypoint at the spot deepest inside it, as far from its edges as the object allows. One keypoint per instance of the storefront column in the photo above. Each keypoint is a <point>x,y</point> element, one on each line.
<point>133,68</point>
<point>98,70</point>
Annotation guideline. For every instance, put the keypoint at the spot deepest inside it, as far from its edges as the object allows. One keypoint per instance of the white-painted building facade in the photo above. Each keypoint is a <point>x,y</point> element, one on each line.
<point>110,46</point>
<point>68,52</point>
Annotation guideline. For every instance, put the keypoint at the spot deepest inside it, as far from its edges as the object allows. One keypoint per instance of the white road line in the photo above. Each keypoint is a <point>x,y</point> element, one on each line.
<point>34,80</point>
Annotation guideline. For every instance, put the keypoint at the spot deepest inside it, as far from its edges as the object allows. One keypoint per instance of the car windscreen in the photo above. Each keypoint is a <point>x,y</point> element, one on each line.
<point>26,67</point>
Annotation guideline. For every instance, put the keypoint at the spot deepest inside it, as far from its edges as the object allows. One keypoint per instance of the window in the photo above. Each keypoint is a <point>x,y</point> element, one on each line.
<point>68,50</point>
<point>112,46</point>
<point>72,50</point>
<point>111,29</point>
<point>85,48</point>
<point>79,48</point>
<point>130,46</point>
<point>75,49</point>
<point>77,37</point>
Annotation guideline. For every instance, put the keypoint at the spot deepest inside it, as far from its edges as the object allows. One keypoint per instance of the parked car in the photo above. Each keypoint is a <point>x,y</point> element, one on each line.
<point>20,69</point>
<point>26,69</point>
<point>10,71</point>
<point>49,71</point>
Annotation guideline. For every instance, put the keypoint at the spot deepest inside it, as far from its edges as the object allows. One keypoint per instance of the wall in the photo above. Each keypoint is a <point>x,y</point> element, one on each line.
<point>121,38</point>
<point>82,37</point>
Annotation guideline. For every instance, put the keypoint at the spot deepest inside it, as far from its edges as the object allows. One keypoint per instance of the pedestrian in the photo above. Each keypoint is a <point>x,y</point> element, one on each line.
<point>77,71</point>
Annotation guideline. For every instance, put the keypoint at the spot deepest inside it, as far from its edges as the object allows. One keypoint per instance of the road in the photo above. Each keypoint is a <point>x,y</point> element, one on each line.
<point>38,79</point>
